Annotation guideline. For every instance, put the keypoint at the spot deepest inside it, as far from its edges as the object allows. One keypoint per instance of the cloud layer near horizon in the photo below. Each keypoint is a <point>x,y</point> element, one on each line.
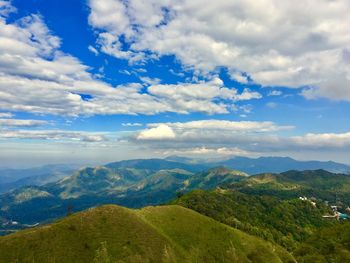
<point>232,138</point>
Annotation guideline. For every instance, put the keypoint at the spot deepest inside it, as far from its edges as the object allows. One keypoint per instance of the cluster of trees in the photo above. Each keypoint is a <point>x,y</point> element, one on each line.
<point>330,244</point>
<point>286,222</point>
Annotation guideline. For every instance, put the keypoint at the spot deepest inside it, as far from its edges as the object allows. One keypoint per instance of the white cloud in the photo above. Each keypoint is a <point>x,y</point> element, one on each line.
<point>52,82</point>
<point>56,135</point>
<point>323,140</point>
<point>275,93</point>
<point>238,76</point>
<point>93,50</point>
<point>150,81</point>
<point>237,138</point>
<point>201,96</point>
<point>126,72</point>
<point>205,131</point>
<point>224,125</point>
<point>21,123</point>
<point>92,138</point>
<point>129,124</point>
<point>160,132</point>
<point>6,115</point>
<point>209,152</point>
<point>6,8</point>
<point>278,43</point>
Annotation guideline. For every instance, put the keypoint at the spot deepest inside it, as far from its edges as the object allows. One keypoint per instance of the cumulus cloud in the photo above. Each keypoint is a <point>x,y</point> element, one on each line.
<point>160,132</point>
<point>224,125</point>
<point>278,43</point>
<point>205,132</point>
<point>44,80</point>
<point>201,96</point>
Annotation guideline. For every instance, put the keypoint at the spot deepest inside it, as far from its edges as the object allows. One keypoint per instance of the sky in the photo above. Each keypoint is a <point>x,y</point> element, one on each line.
<point>94,81</point>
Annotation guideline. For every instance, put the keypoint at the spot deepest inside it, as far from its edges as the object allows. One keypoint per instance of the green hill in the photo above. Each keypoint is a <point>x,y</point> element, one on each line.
<point>153,234</point>
<point>214,177</point>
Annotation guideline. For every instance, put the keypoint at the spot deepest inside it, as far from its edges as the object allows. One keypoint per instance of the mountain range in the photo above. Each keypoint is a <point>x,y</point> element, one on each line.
<point>268,164</point>
<point>129,183</point>
<point>15,178</point>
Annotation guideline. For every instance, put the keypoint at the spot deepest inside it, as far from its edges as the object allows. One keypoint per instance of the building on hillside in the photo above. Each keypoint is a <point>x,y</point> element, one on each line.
<point>329,216</point>
<point>334,208</point>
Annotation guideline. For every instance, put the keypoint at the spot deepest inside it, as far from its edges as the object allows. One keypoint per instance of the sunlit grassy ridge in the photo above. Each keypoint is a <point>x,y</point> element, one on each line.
<point>153,234</point>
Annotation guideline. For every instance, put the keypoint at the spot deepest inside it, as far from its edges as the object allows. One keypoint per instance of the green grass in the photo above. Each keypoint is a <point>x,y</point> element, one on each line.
<point>153,234</point>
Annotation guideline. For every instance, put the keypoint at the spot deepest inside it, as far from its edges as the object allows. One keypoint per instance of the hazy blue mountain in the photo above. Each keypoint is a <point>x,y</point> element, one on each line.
<point>15,178</point>
<point>156,164</point>
<point>280,164</point>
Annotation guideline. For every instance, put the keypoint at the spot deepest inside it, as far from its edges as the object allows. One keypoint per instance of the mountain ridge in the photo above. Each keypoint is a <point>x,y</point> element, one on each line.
<point>273,164</point>
<point>118,184</point>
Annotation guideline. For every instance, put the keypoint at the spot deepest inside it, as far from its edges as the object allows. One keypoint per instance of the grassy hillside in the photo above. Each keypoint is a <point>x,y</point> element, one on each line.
<point>153,234</point>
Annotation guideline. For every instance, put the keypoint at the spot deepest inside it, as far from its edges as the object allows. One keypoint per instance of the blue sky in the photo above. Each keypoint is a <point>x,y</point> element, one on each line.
<point>102,80</point>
